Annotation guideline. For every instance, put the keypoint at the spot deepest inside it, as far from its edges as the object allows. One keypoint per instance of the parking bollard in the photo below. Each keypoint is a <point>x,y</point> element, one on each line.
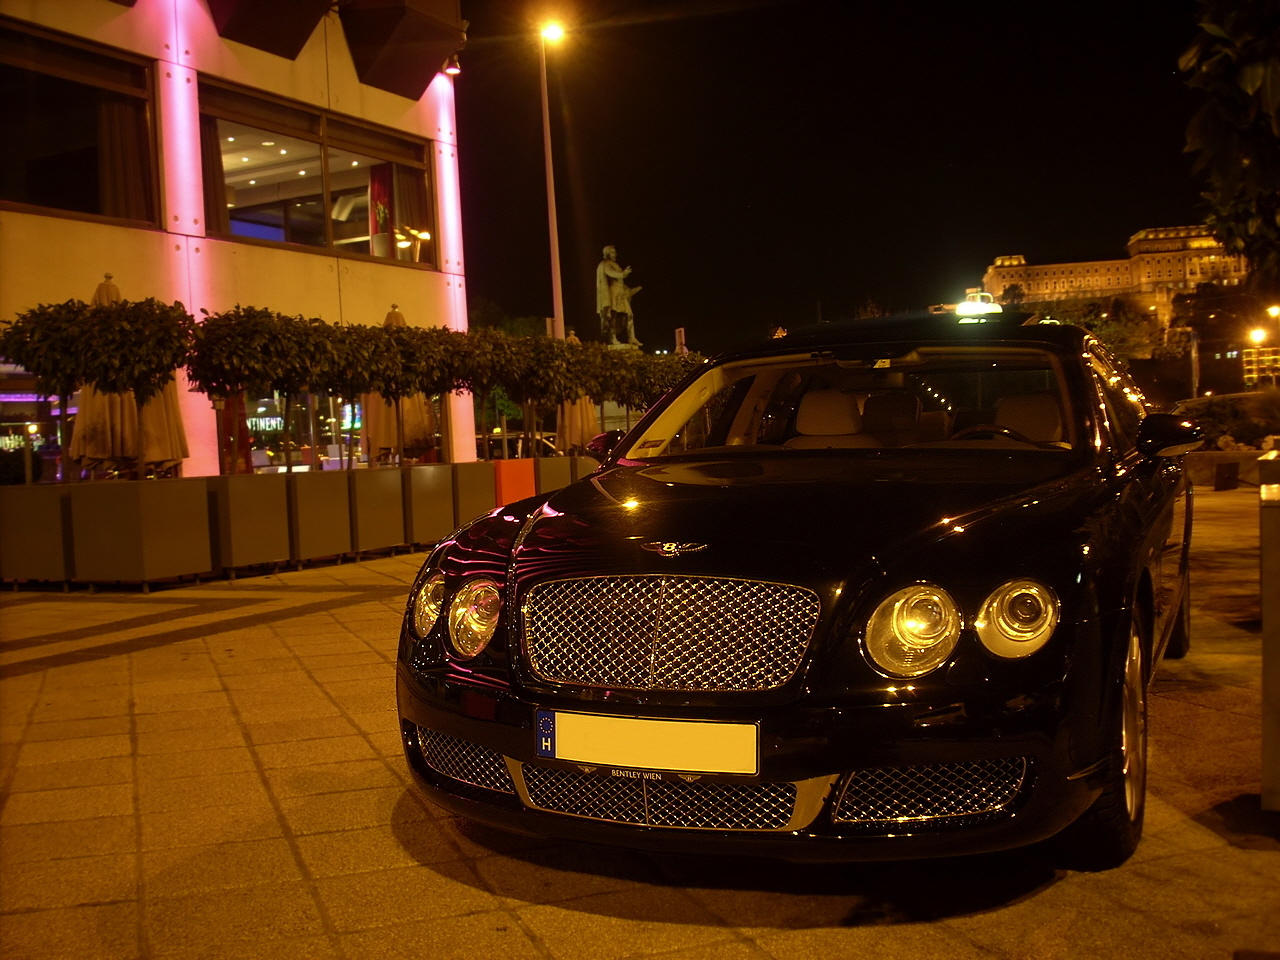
<point>1269,585</point>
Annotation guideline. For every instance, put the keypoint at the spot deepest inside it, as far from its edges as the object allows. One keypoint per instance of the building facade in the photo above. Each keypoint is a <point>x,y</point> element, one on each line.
<point>299,156</point>
<point>1163,262</point>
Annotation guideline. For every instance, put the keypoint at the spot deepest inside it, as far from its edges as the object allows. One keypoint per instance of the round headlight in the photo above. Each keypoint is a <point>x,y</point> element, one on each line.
<point>913,631</point>
<point>1017,619</point>
<point>473,616</point>
<point>427,604</point>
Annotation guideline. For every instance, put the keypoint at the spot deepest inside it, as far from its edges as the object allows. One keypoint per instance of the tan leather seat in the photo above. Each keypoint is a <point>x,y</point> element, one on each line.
<point>829,419</point>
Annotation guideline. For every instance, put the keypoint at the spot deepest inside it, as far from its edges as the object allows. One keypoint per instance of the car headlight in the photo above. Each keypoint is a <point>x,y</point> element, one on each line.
<point>427,604</point>
<point>1017,619</point>
<point>913,631</point>
<point>473,616</point>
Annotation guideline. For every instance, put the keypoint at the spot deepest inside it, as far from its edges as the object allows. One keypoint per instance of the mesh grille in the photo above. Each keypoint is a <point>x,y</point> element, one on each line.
<point>465,761</point>
<point>661,803</point>
<point>937,791</point>
<point>668,633</point>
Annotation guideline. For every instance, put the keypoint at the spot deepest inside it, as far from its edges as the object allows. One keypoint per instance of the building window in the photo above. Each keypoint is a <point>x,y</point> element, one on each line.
<point>291,174</point>
<point>75,129</point>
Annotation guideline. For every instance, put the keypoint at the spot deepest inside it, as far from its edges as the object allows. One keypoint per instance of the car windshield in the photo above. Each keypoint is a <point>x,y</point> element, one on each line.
<point>921,400</point>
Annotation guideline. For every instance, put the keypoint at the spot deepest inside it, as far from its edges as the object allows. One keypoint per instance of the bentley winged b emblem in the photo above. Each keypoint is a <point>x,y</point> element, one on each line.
<point>669,549</point>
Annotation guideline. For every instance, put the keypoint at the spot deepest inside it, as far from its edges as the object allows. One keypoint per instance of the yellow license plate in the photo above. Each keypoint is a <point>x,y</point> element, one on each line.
<point>682,746</point>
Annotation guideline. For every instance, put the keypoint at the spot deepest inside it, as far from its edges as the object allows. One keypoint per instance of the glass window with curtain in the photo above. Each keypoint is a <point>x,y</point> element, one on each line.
<point>75,129</point>
<point>287,174</point>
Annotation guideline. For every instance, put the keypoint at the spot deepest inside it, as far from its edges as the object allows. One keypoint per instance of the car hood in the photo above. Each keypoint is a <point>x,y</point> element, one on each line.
<point>819,521</point>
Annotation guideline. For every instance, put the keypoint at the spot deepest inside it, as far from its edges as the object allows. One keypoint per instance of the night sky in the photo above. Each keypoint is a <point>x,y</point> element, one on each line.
<point>780,162</point>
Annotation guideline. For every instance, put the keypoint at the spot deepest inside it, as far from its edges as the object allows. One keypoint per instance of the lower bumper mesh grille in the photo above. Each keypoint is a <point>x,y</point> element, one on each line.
<point>661,803</point>
<point>932,792</point>
<point>465,761</point>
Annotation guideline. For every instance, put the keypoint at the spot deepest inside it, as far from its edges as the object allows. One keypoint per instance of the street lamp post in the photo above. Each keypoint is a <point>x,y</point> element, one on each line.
<point>551,32</point>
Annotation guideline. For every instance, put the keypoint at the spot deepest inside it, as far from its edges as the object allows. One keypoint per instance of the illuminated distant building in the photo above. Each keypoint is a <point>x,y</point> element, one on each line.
<point>1163,262</point>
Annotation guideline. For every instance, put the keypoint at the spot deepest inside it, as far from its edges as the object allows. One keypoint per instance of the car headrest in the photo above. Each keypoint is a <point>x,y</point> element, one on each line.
<point>1036,416</point>
<point>890,411</point>
<point>827,413</point>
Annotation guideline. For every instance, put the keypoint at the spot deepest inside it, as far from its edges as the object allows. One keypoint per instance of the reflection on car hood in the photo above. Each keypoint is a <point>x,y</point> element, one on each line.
<point>807,520</point>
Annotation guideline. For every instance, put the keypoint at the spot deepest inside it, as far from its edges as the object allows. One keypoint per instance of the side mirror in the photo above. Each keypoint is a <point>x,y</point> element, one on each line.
<point>1168,435</point>
<point>602,444</point>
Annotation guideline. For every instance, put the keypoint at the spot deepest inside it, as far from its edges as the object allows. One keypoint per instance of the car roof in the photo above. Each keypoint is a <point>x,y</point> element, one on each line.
<point>924,328</point>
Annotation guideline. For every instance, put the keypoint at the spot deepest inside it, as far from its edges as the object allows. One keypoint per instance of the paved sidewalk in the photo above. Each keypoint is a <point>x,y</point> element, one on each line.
<point>214,771</point>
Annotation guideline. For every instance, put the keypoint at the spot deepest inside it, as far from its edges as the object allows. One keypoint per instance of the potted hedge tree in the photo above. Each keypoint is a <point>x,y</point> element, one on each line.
<point>231,357</point>
<point>131,530</point>
<point>431,356</point>
<point>49,342</point>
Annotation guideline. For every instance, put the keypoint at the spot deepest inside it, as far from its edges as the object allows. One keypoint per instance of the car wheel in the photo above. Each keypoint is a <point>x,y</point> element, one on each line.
<point>1180,639</point>
<point>1108,832</point>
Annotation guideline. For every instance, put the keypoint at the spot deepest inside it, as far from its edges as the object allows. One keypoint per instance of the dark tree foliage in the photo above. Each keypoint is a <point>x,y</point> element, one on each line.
<point>138,346</point>
<point>51,342</point>
<point>1234,64</point>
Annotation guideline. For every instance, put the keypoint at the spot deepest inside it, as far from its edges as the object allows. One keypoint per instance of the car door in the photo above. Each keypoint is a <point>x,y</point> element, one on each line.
<point>1155,493</point>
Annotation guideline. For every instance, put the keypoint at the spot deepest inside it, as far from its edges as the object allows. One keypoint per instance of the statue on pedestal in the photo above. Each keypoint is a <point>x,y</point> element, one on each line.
<point>613,300</point>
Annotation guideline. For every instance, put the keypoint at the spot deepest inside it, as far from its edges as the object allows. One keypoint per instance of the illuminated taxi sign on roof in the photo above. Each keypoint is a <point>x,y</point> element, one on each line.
<point>976,307</point>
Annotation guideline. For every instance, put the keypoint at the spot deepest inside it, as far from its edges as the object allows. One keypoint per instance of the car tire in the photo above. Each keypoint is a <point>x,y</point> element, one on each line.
<point>1107,834</point>
<point>1180,638</point>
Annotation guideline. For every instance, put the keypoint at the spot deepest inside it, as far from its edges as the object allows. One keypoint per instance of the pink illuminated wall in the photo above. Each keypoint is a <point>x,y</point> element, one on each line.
<point>182,207</point>
<point>200,272</point>
<point>439,100</point>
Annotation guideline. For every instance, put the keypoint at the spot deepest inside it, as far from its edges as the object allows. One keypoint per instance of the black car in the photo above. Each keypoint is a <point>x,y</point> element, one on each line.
<point>877,590</point>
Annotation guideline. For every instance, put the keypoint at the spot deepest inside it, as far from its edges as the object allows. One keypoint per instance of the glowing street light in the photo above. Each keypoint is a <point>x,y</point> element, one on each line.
<point>1258,335</point>
<point>551,33</point>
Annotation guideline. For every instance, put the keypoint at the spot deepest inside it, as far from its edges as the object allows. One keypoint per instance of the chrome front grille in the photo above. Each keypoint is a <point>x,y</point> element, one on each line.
<point>668,633</point>
<point>465,761</point>
<point>933,792</point>
<point>698,805</point>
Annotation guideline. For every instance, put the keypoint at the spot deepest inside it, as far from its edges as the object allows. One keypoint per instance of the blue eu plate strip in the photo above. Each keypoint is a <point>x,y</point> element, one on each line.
<point>545,725</point>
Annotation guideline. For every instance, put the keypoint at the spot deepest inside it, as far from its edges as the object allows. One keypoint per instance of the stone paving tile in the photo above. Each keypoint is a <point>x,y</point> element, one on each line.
<point>73,729</point>
<point>331,778</point>
<point>724,950</point>
<point>180,702</point>
<point>229,917</point>
<point>493,934</point>
<point>561,873</point>
<point>85,932</point>
<point>243,685</point>
<point>913,942</point>
<point>201,826</point>
<point>193,793</point>
<point>202,737</point>
<point>181,871</point>
<point>180,720</point>
<point>289,731</point>
<point>81,748</point>
<point>367,671</point>
<point>383,847</point>
<point>72,773</point>
<point>79,803</point>
<point>304,753</point>
<point>286,707</point>
<point>194,763</point>
<point>68,882</point>
<point>363,901</point>
<point>79,706</point>
<point>622,923</point>
<point>300,948</point>
<point>35,842</point>
<point>351,810</point>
